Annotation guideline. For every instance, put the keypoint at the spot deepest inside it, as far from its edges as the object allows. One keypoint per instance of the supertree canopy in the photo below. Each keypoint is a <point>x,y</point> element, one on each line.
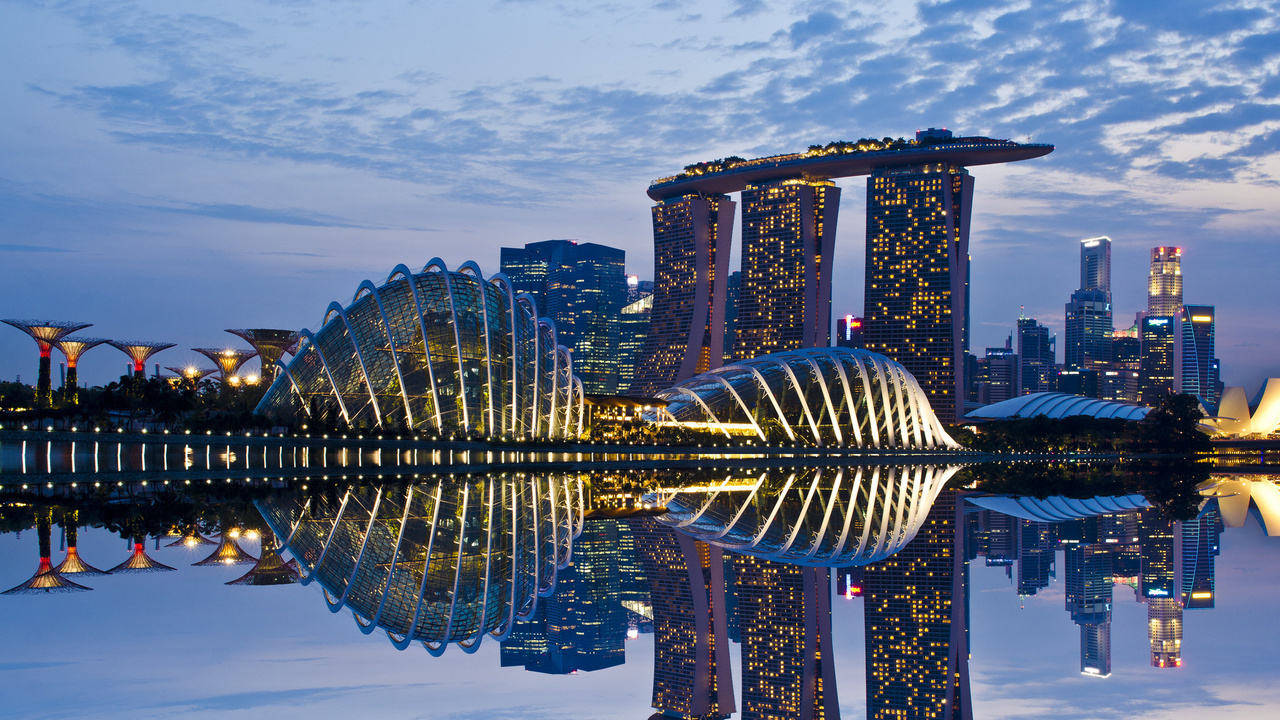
<point>72,348</point>
<point>271,346</point>
<point>139,352</point>
<point>228,360</point>
<point>46,333</point>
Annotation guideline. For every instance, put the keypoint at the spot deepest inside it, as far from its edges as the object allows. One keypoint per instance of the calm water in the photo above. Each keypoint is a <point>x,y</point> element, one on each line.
<point>937,597</point>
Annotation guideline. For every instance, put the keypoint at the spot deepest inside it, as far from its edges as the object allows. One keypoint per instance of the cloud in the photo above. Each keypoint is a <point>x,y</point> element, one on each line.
<point>11,247</point>
<point>251,214</point>
<point>743,9</point>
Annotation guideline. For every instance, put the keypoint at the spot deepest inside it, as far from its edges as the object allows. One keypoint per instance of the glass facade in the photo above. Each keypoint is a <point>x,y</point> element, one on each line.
<point>818,396</point>
<point>1164,284</point>
<point>436,350</point>
<point>442,562</point>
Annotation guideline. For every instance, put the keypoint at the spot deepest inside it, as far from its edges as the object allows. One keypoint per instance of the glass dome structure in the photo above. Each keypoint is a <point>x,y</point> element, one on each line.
<point>1057,405</point>
<point>819,517</point>
<point>446,561</point>
<point>819,396</point>
<point>437,350</point>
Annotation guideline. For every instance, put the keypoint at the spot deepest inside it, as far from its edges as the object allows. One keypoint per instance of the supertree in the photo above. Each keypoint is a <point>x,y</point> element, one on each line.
<point>228,361</point>
<point>139,352</point>
<point>72,348</point>
<point>46,333</point>
<point>191,538</point>
<point>139,561</point>
<point>228,551</point>
<point>271,569</point>
<point>72,564</point>
<point>46,579</point>
<point>271,346</point>
<point>192,374</point>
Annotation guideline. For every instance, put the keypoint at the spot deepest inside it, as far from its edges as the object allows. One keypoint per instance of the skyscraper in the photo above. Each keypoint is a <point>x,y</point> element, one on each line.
<point>1037,356</point>
<point>916,623</point>
<point>849,332</point>
<point>691,673</point>
<point>788,237</point>
<point>583,626</point>
<point>1089,597</point>
<point>691,237</point>
<point>1088,330</point>
<point>1164,284</point>
<point>999,371</point>
<point>784,617</point>
<point>916,271</point>
<point>733,297</point>
<point>582,287</point>
<point>1157,358</point>
<point>633,331</point>
<point>1194,560</point>
<point>1195,369</point>
<point>1095,264</point>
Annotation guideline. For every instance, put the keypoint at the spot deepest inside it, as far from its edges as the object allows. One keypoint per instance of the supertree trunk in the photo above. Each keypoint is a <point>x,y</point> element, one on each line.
<point>44,385</point>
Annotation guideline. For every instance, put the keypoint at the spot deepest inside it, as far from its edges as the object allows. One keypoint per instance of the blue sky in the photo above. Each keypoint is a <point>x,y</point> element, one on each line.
<point>170,169</point>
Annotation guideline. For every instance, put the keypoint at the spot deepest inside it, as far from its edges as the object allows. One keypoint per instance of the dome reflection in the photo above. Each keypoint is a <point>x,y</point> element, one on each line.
<point>445,561</point>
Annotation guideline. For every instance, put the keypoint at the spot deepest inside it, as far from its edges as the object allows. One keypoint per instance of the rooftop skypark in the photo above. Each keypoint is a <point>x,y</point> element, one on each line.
<point>844,159</point>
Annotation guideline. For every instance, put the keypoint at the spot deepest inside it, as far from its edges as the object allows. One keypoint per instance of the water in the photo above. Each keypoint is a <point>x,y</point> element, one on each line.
<point>943,558</point>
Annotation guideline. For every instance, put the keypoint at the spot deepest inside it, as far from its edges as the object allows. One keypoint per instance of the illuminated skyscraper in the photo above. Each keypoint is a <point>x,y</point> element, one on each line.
<point>1089,598</point>
<point>691,237</point>
<point>1157,358</point>
<point>1164,284</point>
<point>916,272</point>
<point>692,677</point>
<point>582,287</point>
<point>916,623</point>
<point>1036,545</point>
<point>1164,630</point>
<point>733,297</point>
<point>788,237</point>
<point>1194,563</point>
<point>1195,369</point>
<point>784,617</point>
<point>1037,355</point>
<point>1088,330</point>
<point>633,331</point>
<point>1095,264</point>
<point>583,626</point>
<point>849,332</point>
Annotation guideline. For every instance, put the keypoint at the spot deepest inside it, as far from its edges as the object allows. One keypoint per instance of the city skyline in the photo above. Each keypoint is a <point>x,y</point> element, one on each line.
<point>227,144</point>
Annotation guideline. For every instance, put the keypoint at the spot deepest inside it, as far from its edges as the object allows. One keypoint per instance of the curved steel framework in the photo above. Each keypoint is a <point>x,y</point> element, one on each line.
<point>1058,508</point>
<point>228,360</point>
<point>139,352</point>
<point>441,350</point>
<point>820,396</point>
<point>447,561</point>
<point>820,517</point>
<point>271,345</point>
<point>46,333</point>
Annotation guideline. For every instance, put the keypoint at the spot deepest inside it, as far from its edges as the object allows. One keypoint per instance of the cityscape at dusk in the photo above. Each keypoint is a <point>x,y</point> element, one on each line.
<point>685,359</point>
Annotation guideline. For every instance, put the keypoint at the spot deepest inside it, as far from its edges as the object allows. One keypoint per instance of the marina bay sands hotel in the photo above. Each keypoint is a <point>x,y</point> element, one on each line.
<point>919,202</point>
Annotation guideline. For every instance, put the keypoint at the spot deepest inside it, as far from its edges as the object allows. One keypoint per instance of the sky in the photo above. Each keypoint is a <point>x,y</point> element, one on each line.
<point>170,169</point>
<point>182,643</point>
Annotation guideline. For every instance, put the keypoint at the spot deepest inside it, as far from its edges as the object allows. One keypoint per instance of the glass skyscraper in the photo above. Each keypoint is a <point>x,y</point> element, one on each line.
<point>582,287</point>
<point>916,271</point>
<point>1164,284</point>
<point>1195,369</point>
<point>1095,264</point>
<point>1037,356</point>
<point>1157,358</point>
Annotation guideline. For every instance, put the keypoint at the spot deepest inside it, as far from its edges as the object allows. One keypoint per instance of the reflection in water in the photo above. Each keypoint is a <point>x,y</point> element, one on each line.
<point>740,558</point>
<point>438,562</point>
<point>821,517</point>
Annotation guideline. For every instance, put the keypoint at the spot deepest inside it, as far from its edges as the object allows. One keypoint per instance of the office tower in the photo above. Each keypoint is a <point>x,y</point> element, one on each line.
<point>691,237</point>
<point>691,673</point>
<point>637,288</point>
<point>1164,631</point>
<point>788,237</point>
<point>1195,369</point>
<point>849,332</point>
<point>1164,284</point>
<point>849,581</point>
<point>582,288</point>
<point>1088,330</point>
<point>1088,598</point>
<point>999,372</point>
<point>733,297</point>
<point>1037,356</point>
<point>1156,535</point>
<point>1194,553</point>
<point>916,272</point>
<point>1123,382</point>
<point>633,330</point>
<point>1036,545</point>
<point>1095,264</point>
<point>784,618</point>
<point>1157,358</point>
<point>916,623</point>
<point>583,626</point>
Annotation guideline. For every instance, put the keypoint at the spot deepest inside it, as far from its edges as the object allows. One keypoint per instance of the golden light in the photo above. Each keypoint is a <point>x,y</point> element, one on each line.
<point>234,533</point>
<point>252,534</point>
